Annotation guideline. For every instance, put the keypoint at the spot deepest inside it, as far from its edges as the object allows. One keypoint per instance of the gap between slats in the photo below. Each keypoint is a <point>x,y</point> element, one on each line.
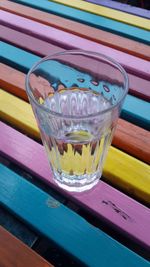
<point>112,40</point>
<point>89,19</point>
<point>128,137</point>
<point>137,86</point>
<point>73,230</point>
<point>107,12</point>
<point>70,41</point>
<point>121,169</point>
<point>134,110</point>
<point>105,202</point>
<point>145,13</point>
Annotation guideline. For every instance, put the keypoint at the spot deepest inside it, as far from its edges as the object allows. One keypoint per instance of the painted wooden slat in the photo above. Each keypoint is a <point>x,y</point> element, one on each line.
<point>67,229</point>
<point>11,246</point>
<point>123,7</point>
<point>28,42</point>
<point>90,19</point>
<point>128,137</point>
<point>85,31</point>
<point>17,228</point>
<point>12,116</point>
<point>107,12</point>
<point>133,140</point>
<point>138,86</point>
<point>120,169</point>
<point>70,41</point>
<point>16,82</point>
<point>127,214</point>
<point>136,111</point>
<point>22,60</point>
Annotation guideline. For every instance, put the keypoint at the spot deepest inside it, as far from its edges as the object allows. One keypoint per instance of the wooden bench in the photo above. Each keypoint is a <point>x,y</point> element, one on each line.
<point>107,225</point>
<point>64,227</point>
<point>123,7</point>
<point>14,253</point>
<point>90,19</point>
<point>88,32</point>
<point>107,12</point>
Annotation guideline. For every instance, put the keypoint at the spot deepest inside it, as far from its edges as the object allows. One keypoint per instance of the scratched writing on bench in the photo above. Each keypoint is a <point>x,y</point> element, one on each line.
<point>117,210</point>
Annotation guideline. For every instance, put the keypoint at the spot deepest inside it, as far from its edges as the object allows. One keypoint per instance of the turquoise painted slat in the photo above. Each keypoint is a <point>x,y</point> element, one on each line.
<point>58,223</point>
<point>90,19</point>
<point>17,57</point>
<point>134,109</point>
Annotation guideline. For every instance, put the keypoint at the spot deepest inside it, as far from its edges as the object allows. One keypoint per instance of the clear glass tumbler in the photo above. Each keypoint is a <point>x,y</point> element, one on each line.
<point>76,97</point>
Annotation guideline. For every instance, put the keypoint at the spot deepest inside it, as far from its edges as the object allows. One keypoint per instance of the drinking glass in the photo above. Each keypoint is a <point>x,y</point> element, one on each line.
<point>76,97</point>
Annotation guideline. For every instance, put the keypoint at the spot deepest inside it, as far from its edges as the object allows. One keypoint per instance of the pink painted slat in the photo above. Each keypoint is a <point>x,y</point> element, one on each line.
<point>138,87</point>
<point>104,201</point>
<point>133,64</point>
<point>141,86</point>
<point>27,42</point>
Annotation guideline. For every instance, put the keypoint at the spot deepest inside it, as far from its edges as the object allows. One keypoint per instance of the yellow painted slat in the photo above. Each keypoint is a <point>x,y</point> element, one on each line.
<point>128,173</point>
<point>18,113</point>
<point>122,170</point>
<point>107,12</point>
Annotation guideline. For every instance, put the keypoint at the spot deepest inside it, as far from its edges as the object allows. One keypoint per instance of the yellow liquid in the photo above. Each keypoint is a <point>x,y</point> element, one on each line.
<point>80,155</point>
<point>75,147</point>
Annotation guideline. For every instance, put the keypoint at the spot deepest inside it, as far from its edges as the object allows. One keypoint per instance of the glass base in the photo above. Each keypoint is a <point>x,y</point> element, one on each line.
<point>76,183</point>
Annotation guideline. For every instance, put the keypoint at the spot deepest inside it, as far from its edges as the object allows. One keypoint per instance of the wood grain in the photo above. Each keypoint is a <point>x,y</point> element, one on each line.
<point>70,41</point>
<point>141,12</point>
<point>90,19</point>
<point>99,201</point>
<point>134,110</point>
<point>107,12</point>
<point>15,253</point>
<point>128,137</point>
<point>120,169</point>
<point>106,38</point>
<point>64,227</point>
<point>138,86</point>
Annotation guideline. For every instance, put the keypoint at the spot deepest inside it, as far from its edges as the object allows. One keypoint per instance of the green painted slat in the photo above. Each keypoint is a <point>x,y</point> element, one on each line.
<point>134,109</point>
<point>123,29</point>
<point>61,225</point>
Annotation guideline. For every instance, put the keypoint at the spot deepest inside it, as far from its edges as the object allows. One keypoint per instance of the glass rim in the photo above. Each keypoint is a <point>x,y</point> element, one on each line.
<point>82,52</point>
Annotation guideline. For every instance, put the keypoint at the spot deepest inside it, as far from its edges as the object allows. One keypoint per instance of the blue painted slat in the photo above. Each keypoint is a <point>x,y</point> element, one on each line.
<point>17,57</point>
<point>123,7</point>
<point>134,109</point>
<point>61,225</point>
<point>100,22</point>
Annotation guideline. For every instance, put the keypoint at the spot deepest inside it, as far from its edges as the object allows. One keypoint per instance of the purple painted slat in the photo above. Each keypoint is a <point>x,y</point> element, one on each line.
<point>133,64</point>
<point>122,7</point>
<point>138,86</point>
<point>107,203</point>
<point>27,42</point>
